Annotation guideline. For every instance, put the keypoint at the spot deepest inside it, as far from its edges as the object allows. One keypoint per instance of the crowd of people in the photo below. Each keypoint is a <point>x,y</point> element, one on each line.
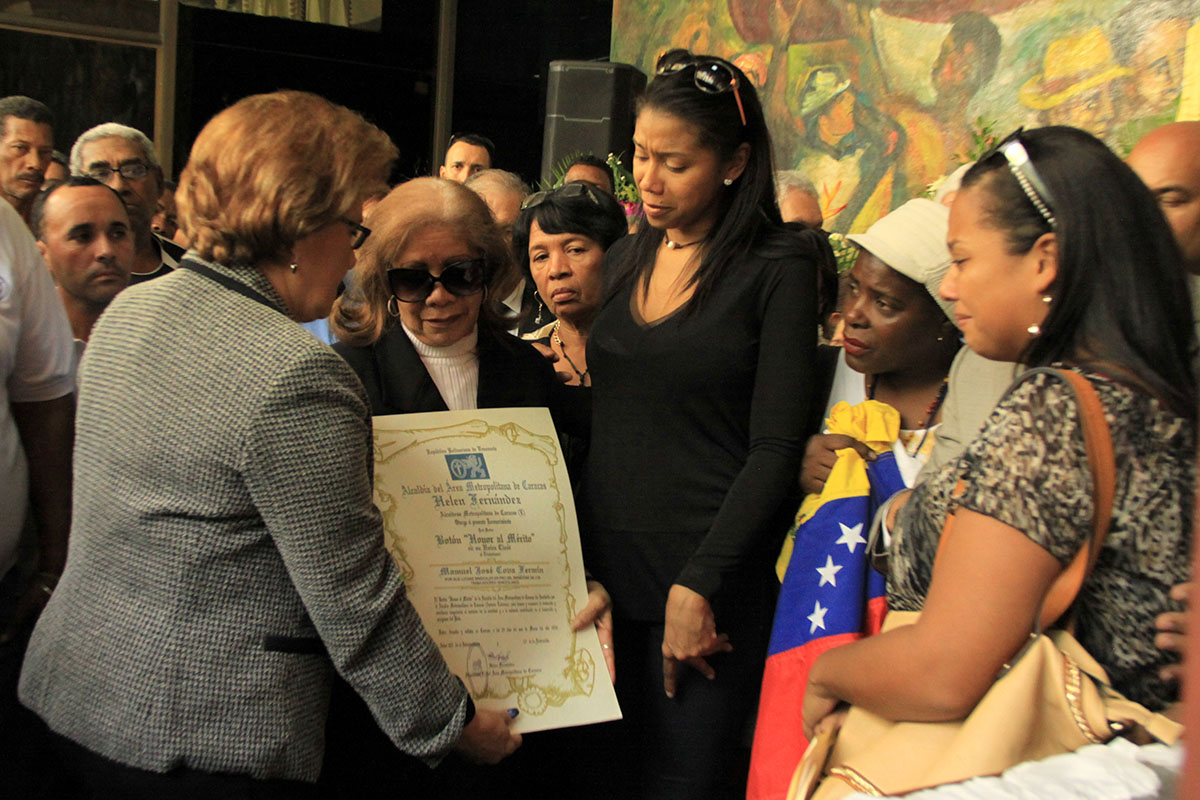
<point>196,599</point>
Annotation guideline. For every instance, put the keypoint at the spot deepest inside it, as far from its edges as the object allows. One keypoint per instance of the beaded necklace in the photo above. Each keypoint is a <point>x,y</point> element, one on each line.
<point>554,337</point>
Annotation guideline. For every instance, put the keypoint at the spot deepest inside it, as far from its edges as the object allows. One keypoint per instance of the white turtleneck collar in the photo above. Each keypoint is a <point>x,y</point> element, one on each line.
<point>454,368</point>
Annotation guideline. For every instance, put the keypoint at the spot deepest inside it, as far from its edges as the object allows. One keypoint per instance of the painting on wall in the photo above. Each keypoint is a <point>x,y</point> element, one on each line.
<point>876,100</point>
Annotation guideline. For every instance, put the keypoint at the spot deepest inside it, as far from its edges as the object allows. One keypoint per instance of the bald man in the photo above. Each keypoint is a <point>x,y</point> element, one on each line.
<point>1168,160</point>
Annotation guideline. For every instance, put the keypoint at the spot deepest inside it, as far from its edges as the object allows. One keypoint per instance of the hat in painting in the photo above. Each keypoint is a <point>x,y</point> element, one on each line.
<point>1073,64</point>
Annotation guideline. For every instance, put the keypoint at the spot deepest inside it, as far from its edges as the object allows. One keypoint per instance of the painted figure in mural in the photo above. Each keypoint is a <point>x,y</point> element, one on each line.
<point>967,61</point>
<point>939,134</point>
<point>1150,38</point>
<point>1078,84</point>
<point>755,67</point>
<point>850,150</point>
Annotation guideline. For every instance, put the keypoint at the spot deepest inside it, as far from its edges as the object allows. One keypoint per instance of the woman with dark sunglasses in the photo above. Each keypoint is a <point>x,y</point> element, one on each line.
<point>1059,257</point>
<point>423,333</point>
<point>701,364</point>
<point>420,327</point>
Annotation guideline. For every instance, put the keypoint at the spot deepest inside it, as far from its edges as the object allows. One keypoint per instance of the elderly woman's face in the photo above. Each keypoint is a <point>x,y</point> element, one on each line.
<point>443,317</point>
<point>567,270</point>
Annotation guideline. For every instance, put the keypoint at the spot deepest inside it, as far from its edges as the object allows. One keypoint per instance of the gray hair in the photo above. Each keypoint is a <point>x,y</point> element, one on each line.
<point>108,130</point>
<point>793,180</point>
<point>498,180</point>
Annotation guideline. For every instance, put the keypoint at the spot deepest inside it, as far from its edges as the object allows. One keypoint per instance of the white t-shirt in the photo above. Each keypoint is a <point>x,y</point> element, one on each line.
<point>37,362</point>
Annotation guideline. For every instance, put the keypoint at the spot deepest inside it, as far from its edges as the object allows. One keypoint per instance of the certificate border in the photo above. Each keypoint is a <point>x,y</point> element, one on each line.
<point>579,673</point>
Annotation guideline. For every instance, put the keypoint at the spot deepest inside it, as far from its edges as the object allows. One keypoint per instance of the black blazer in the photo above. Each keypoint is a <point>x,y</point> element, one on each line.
<point>511,373</point>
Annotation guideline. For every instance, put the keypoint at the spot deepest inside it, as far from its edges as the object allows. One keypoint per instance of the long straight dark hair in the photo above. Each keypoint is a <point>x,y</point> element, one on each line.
<point>746,207</point>
<point>1121,303</point>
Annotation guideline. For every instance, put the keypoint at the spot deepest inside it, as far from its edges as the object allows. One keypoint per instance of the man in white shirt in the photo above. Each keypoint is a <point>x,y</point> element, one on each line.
<point>37,410</point>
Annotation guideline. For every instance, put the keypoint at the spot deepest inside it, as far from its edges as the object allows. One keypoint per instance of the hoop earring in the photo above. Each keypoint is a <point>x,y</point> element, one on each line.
<point>393,306</point>
<point>541,308</point>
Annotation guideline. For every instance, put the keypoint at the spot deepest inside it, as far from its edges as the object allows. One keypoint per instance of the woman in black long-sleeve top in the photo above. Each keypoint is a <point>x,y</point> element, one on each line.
<point>701,362</point>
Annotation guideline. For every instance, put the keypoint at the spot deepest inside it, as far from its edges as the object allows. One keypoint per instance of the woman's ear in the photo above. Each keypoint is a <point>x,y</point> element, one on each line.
<point>1045,255</point>
<point>737,164</point>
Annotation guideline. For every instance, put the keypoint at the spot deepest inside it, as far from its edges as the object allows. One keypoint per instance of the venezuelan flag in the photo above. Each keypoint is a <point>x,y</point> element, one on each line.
<point>829,594</point>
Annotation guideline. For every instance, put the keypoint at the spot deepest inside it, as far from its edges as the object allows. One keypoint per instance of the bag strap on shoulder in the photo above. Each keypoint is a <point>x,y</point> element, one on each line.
<point>1097,441</point>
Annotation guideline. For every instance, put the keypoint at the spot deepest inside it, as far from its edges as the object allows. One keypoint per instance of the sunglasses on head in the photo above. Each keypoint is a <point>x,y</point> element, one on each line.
<point>572,189</point>
<point>1021,167</point>
<point>461,279</point>
<point>711,75</point>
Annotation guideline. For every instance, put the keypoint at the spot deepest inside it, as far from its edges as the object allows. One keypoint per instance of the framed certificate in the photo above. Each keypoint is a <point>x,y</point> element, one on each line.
<point>478,514</point>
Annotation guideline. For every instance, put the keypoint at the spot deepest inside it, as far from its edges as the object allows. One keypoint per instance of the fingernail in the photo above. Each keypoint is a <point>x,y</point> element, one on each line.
<point>512,713</point>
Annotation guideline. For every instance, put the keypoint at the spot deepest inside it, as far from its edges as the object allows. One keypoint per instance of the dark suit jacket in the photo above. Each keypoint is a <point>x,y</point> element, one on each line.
<point>512,373</point>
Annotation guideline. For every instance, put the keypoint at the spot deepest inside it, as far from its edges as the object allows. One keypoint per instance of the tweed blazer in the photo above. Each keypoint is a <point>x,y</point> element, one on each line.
<point>223,523</point>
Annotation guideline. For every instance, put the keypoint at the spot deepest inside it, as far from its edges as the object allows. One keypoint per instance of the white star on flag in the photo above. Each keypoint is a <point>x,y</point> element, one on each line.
<point>817,618</point>
<point>851,537</point>
<point>828,572</point>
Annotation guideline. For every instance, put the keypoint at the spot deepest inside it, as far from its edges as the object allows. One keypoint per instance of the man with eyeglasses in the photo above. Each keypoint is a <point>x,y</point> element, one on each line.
<point>123,159</point>
<point>466,154</point>
<point>26,142</point>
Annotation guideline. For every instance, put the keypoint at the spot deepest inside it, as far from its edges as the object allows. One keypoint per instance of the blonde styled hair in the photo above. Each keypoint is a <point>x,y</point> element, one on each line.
<point>271,169</point>
<point>360,316</point>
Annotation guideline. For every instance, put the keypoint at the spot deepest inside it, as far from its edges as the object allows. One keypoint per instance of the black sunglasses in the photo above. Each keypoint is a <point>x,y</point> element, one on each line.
<point>461,279</point>
<point>1021,167</point>
<point>712,76</point>
<point>572,189</point>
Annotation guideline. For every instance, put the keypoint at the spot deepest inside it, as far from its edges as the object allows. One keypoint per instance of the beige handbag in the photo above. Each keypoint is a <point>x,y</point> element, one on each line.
<point>1053,698</point>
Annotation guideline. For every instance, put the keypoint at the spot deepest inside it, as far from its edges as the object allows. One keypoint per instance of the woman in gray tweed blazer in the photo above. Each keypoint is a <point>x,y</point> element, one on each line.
<point>226,557</point>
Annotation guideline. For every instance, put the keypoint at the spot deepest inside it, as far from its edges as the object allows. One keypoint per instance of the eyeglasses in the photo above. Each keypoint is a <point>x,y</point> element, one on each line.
<point>1021,167</point>
<point>461,279</point>
<point>566,191</point>
<point>360,233</point>
<point>712,76</point>
<point>131,171</point>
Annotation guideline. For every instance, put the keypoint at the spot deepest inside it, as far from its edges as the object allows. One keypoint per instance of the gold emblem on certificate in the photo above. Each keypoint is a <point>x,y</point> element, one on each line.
<point>478,513</point>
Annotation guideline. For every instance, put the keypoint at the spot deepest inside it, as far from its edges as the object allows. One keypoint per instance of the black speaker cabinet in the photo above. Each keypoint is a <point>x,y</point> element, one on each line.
<point>589,109</point>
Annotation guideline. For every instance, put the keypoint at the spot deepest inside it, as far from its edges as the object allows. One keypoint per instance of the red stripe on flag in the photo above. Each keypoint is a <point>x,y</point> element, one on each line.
<point>779,733</point>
